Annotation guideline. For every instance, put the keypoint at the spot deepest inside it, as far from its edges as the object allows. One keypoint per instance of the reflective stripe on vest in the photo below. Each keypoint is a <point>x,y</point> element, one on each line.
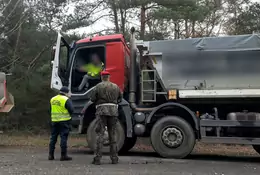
<point>93,70</point>
<point>58,111</point>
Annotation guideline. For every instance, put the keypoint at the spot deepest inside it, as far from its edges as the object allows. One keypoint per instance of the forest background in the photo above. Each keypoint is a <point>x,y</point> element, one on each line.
<point>28,30</point>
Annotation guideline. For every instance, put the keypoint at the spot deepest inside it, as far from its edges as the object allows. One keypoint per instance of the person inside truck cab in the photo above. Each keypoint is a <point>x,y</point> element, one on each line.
<point>92,71</point>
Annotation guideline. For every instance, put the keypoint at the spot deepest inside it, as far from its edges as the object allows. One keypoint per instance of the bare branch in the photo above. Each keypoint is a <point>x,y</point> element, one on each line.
<point>6,6</point>
<point>15,60</point>
<point>100,17</point>
<point>15,6</point>
<point>92,10</point>
<point>32,63</point>
<point>19,23</point>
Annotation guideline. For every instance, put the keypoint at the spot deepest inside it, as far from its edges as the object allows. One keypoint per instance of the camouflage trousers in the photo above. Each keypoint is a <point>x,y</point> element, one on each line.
<point>110,122</point>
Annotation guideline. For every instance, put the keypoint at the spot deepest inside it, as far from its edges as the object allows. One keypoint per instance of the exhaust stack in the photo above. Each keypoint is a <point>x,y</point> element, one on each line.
<point>133,80</point>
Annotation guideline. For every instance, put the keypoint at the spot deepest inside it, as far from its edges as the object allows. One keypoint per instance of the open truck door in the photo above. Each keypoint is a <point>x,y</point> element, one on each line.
<point>6,99</point>
<point>60,58</point>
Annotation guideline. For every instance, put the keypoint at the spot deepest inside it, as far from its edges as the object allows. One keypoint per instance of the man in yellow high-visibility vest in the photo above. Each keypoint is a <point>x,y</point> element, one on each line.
<point>92,71</point>
<point>61,110</point>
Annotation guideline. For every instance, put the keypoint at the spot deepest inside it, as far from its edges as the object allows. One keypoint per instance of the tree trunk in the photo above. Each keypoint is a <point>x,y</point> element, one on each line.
<point>176,30</point>
<point>187,35</point>
<point>193,29</point>
<point>142,31</point>
<point>122,14</point>
<point>114,9</point>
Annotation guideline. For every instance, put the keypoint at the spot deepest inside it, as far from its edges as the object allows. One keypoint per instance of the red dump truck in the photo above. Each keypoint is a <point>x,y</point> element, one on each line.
<point>176,92</point>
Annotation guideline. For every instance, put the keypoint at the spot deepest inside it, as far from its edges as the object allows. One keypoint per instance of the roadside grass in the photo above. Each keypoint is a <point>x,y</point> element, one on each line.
<point>17,139</point>
<point>14,139</point>
<point>224,150</point>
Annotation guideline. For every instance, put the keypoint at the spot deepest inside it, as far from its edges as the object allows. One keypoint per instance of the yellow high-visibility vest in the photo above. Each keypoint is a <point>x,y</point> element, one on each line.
<point>93,70</point>
<point>58,111</point>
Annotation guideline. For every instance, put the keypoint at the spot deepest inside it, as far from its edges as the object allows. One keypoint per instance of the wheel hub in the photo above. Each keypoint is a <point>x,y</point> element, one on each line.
<point>172,137</point>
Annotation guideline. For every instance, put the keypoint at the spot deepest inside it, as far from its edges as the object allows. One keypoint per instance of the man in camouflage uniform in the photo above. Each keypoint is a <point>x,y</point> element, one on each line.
<point>106,97</point>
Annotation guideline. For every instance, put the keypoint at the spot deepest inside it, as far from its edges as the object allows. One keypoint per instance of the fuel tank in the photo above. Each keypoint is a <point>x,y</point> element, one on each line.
<point>243,131</point>
<point>240,116</point>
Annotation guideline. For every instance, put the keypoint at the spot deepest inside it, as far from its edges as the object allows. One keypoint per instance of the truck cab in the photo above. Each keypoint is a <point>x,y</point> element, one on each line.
<point>67,59</point>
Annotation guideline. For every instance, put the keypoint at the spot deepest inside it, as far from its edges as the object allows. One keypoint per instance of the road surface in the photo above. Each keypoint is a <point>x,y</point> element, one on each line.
<point>34,161</point>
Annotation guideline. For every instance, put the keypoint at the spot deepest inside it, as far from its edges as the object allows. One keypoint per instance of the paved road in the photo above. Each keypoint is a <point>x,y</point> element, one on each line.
<point>33,161</point>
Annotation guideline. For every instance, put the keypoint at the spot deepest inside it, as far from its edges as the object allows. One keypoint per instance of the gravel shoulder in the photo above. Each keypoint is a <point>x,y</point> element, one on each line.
<point>33,161</point>
<point>28,155</point>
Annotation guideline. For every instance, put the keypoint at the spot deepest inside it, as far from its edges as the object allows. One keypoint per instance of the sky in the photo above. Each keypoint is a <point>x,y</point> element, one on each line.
<point>106,23</point>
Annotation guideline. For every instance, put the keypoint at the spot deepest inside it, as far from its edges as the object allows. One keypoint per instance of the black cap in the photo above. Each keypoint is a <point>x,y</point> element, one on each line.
<point>64,89</point>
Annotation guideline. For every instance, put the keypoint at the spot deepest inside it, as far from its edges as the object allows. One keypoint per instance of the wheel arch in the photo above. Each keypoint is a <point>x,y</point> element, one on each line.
<point>179,110</point>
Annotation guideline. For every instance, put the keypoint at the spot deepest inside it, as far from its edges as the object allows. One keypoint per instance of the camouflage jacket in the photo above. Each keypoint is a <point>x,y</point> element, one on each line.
<point>106,92</point>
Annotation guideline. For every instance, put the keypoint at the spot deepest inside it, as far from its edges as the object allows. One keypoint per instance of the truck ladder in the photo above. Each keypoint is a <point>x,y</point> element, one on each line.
<point>148,86</point>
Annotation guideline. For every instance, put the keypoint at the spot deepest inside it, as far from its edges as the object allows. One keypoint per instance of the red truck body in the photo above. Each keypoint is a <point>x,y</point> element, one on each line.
<point>115,53</point>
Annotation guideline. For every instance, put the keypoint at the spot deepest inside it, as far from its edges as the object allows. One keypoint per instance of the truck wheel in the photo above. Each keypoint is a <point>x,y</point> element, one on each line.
<point>257,148</point>
<point>129,144</point>
<point>92,136</point>
<point>172,137</point>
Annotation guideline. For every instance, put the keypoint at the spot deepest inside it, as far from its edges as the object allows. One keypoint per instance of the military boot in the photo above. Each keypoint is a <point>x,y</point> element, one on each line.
<point>113,152</point>
<point>114,160</point>
<point>96,161</point>
<point>65,157</point>
<point>51,155</point>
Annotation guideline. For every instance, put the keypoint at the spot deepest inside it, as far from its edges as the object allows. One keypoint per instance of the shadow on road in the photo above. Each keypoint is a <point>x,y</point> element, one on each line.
<point>200,157</point>
<point>130,153</point>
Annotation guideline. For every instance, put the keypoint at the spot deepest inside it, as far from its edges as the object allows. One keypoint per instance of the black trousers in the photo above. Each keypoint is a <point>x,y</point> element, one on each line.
<point>62,129</point>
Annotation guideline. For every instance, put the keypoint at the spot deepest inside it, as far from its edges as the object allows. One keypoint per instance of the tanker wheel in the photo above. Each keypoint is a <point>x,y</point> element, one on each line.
<point>92,136</point>
<point>128,144</point>
<point>172,137</point>
<point>257,148</point>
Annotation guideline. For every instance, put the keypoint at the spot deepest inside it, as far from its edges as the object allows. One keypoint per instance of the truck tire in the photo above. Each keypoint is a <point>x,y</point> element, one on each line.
<point>257,148</point>
<point>172,137</point>
<point>129,144</point>
<point>92,136</point>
